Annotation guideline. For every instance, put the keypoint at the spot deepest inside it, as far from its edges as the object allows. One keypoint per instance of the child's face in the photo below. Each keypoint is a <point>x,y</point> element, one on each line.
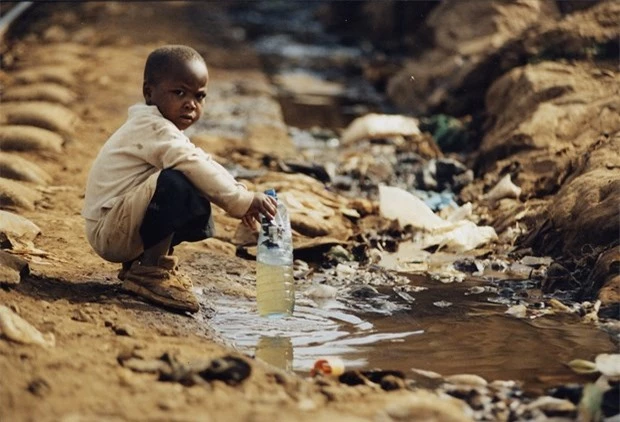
<point>180,95</point>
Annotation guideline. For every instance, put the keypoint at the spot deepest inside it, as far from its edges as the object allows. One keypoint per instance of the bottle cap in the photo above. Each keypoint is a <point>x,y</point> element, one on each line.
<point>271,192</point>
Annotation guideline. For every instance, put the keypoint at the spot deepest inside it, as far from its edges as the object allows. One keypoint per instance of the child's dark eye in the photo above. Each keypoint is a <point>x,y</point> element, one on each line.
<point>201,96</point>
<point>178,92</point>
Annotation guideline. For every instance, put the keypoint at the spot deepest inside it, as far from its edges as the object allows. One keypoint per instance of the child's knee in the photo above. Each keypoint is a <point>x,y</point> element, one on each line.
<point>175,179</point>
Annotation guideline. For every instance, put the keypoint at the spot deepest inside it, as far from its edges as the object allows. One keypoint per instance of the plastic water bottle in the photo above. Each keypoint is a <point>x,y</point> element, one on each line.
<point>275,290</point>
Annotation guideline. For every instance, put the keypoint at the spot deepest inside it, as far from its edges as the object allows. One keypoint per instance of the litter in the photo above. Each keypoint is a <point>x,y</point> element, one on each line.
<point>458,236</point>
<point>373,126</point>
<point>505,188</point>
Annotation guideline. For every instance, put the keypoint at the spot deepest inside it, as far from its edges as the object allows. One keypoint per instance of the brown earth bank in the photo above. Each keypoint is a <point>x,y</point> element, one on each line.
<point>75,68</point>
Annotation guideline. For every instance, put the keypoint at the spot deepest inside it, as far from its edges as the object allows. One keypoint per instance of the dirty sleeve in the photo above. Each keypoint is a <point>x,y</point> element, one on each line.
<point>172,149</point>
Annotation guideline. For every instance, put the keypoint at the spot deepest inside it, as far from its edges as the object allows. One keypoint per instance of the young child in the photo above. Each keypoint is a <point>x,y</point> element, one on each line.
<point>150,188</point>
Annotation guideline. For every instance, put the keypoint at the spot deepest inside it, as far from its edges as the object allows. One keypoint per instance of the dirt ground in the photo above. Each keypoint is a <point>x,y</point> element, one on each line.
<point>75,295</point>
<point>110,347</point>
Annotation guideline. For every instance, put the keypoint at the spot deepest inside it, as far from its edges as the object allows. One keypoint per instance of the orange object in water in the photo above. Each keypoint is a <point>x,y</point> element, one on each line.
<point>328,366</point>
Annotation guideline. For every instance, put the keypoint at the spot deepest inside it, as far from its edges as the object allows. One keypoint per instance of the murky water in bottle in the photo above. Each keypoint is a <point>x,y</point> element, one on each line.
<point>275,293</point>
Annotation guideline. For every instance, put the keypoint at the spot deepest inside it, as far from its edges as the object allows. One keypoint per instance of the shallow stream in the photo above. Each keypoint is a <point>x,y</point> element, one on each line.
<point>446,329</point>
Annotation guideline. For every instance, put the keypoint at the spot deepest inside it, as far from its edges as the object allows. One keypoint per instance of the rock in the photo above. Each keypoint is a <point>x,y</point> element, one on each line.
<point>17,329</point>
<point>586,34</point>
<point>14,167</point>
<point>556,138</point>
<point>60,55</point>
<point>610,292</point>
<point>555,107</point>
<point>604,278</point>
<point>466,379</point>
<point>14,194</point>
<point>29,138</point>
<point>59,74</point>
<point>41,114</point>
<point>12,268</point>
<point>43,91</point>
<point>55,33</point>
<point>123,330</point>
<point>424,406</point>
<point>15,228</point>
<point>229,369</point>
<point>82,316</point>
<point>551,405</point>
<point>39,387</point>
<point>455,72</point>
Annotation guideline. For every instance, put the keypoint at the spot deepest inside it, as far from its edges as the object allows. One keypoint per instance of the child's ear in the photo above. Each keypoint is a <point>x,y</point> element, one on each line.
<point>146,92</point>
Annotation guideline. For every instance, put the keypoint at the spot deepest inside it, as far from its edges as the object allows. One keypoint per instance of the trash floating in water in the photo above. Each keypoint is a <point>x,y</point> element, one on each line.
<point>330,365</point>
<point>607,364</point>
<point>518,311</point>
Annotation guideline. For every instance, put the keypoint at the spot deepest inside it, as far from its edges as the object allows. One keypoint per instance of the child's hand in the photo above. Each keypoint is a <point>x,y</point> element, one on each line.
<point>261,204</point>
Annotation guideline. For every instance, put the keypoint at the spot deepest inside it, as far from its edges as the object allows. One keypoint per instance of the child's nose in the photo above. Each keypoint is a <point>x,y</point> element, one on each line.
<point>191,104</point>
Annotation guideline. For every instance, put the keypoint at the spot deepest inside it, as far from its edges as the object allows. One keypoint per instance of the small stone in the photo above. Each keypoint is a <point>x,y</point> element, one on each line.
<point>12,268</point>
<point>81,316</point>
<point>123,330</point>
<point>467,379</point>
<point>39,387</point>
<point>390,383</point>
<point>553,405</point>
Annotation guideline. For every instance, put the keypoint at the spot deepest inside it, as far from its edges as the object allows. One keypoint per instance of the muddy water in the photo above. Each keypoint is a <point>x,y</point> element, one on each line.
<point>444,329</point>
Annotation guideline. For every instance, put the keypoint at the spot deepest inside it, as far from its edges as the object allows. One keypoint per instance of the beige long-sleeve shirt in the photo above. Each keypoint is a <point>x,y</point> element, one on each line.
<point>145,144</point>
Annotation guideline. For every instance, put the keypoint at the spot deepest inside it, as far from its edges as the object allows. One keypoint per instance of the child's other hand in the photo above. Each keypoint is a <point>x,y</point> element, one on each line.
<point>261,204</point>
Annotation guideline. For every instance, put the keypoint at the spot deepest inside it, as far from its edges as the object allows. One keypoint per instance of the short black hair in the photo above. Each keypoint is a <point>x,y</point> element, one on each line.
<point>163,58</point>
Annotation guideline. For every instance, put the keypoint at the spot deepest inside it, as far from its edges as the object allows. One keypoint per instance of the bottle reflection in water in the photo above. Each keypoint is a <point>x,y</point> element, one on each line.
<point>276,351</point>
<point>275,291</point>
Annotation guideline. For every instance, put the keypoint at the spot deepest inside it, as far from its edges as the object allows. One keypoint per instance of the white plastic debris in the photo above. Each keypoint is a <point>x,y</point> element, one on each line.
<point>505,188</point>
<point>608,364</point>
<point>17,329</point>
<point>408,209</point>
<point>321,291</point>
<point>457,236</point>
<point>461,213</point>
<point>517,311</point>
<point>373,126</point>
<point>463,236</point>
<point>344,270</point>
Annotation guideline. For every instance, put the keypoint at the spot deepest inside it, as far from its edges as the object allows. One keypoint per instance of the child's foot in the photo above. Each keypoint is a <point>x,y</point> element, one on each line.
<point>162,284</point>
<point>122,274</point>
<point>126,266</point>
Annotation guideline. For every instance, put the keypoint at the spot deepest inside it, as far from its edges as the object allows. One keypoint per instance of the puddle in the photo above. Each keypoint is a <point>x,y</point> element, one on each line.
<point>444,329</point>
